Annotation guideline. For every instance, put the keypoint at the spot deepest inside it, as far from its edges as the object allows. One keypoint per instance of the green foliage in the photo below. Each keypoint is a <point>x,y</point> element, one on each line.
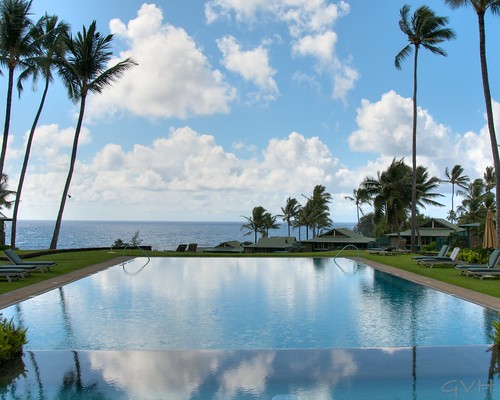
<point>135,241</point>
<point>495,334</point>
<point>474,256</point>
<point>430,247</point>
<point>118,244</point>
<point>12,340</point>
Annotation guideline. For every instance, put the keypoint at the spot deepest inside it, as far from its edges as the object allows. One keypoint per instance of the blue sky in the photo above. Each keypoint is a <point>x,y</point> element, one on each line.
<point>236,104</point>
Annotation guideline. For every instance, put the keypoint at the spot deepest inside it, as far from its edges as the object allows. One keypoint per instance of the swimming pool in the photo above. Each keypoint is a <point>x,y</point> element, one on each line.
<point>247,303</point>
<point>250,328</point>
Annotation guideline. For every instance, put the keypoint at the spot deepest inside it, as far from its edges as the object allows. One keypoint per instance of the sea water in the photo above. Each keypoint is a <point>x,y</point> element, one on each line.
<point>160,235</point>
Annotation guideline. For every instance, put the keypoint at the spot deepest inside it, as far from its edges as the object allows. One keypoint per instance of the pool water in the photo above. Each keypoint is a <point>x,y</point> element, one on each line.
<point>247,303</point>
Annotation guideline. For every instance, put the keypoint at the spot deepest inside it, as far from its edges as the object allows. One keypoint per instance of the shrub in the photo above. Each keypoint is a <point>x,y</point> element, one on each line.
<point>474,256</point>
<point>432,246</point>
<point>12,340</point>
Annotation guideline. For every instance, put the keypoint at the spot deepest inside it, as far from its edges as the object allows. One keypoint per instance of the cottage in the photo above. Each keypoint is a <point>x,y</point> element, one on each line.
<point>337,238</point>
<point>272,245</point>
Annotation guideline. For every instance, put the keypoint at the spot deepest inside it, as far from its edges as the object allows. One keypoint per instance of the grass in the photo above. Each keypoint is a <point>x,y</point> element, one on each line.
<point>72,261</point>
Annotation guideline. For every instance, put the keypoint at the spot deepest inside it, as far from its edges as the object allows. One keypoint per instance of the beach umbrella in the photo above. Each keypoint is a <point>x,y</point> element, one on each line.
<point>490,234</point>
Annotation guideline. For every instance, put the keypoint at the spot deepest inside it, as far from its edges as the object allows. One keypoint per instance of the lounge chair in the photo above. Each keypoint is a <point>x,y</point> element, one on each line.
<point>442,253</point>
<point>192,247</point>
<point>181,247</point>
<point>470,269</point>
<point>451,260</point>
<point>15,259</point>
<point>383,251</point>
<point>13,273</point>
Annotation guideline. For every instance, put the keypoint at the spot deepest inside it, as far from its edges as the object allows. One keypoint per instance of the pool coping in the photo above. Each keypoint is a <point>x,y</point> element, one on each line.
<point>467,294</point>
<point>15,296</point>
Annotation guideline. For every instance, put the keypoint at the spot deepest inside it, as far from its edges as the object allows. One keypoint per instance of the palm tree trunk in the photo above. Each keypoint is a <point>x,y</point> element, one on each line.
<point>57,228</point>
<point>25,166</point>
<point>414,156</point>
<point>489,116</point>
<point>8,108</point>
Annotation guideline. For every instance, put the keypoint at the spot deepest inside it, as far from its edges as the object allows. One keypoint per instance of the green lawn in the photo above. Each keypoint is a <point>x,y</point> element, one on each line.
<point>71,261</point>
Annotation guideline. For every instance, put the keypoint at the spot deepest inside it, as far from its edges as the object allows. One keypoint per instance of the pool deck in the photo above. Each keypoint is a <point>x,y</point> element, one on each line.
<point>467,294</point>
<point>15,296</point>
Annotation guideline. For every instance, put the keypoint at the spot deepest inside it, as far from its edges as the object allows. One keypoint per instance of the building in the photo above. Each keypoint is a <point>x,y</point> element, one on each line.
<point>337,238</point>
<point>277,244</point>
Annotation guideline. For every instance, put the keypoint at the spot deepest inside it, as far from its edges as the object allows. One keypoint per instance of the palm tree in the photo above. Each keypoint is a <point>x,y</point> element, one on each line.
<point>320,212</point>
<point>471,208</point>
<point>490,179</point>
<point>256,222</point>
<point>269,223</point>
<point>359,197</point>
<point>53,34</point>
<point>17,42</point>
<point>290,211</point>
<point>424,29</point>
<point>480,7</point>
<point>4,203</point>
<point>83,72</point>
<point>456,177</point>
<point>390,193</point>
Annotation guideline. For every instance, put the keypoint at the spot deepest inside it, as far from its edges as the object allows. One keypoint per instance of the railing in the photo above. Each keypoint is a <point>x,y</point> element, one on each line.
<point>341,250</point>
<point>143,252</point>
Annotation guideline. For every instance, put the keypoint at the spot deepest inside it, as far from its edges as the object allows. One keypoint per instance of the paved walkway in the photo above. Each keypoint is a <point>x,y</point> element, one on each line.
<point>15,296</point>
<point>18,295</point>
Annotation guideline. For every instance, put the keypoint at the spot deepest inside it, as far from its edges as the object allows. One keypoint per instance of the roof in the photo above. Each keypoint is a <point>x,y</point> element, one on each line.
<point>275,242</point>
<point>434,227</point>
<point>341,235</point>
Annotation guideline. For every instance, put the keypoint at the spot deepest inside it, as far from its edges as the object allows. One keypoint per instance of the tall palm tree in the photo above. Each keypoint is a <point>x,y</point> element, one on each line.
<point>359,197</point>
<point>256,223</point>
<point>83,71</point>
<point>53,33</point>
<point>480,7</point>
<point>290,211</point>
<point>456,177</point>
<point>424,29</point>
<point>17,38</point>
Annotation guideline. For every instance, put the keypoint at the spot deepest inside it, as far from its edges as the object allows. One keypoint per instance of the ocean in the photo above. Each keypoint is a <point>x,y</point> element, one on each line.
<point>34,235</point>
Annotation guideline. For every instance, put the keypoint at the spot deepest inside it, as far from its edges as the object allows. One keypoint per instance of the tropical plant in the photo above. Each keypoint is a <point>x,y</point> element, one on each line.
<point>455,177</point>
<point>12,340</point>
<point>256,223</point>
<point>290,211</point>
<point>424,29</point>
<point>480,7</point>
<point>52,33</point>
<point>359,197</point>
<point>83,71</point>
<point>17,42</point>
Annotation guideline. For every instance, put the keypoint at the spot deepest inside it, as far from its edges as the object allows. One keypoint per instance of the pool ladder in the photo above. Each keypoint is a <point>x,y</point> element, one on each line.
<point>143,252</point>
<point>341,250</point>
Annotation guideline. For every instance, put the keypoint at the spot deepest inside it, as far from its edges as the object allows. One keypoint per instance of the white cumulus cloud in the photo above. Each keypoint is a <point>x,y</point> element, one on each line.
<point>253,65</point>
<point>173,77</point>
